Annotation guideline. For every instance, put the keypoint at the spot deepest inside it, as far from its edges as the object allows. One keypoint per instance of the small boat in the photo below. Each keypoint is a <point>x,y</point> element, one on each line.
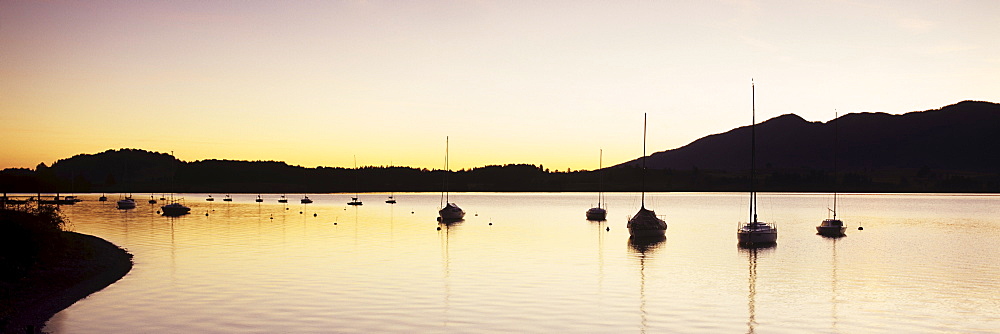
<point>282,199</point>
<point>258,200</point>
<point>151,200</point>
<point>59,200</point>
<point>210,198</point>
<point>306,200</point>
<point>391,200</point>
<point>450,212</point>
<point>126,203</point>
<point>103,198</point>
<point>354,200</point>
<point>227,199</point>
<point>645,223</point>
<point>833,227</point>
<point>175,209</point>
<point>599,213</point>
<point>755,233</point>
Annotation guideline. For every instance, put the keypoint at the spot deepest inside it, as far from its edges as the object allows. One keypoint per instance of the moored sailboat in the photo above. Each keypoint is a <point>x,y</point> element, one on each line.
<point>449,211</point>
<point>599,213</point>
<point>755,233</point>
<point>645,223</point>
<point>833,227</point>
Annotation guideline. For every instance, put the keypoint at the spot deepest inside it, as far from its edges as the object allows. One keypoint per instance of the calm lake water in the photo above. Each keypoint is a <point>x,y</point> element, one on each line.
<point>923,263</point>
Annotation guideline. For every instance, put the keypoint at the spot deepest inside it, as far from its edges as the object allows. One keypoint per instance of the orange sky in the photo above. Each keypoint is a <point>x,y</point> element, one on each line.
<point>315,83</point>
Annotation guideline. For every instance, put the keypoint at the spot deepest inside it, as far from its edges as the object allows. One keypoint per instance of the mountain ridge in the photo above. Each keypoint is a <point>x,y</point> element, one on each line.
<point>937,138</point>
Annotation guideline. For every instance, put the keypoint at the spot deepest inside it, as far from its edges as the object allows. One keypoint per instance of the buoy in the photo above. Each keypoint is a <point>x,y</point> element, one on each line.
<point>439,228</point>
<point>491,223</point>
<point>411,212</point>
<point>300,212</point>
<point>206,214</point>
<point>607,228</point>
<point>272,218</point>
<point>334,223</point>
<point>314,215</point>
<point>477,215</point>
<point>286,208</point>
<point>860,228</point>
<point>157,211</point>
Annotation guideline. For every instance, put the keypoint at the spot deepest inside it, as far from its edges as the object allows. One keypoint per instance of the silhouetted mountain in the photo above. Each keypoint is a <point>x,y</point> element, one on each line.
<point>959,137</point>
<point>944,150</point>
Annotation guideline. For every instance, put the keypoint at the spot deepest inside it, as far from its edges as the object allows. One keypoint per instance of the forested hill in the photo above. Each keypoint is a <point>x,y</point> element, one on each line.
<point>958,137</point>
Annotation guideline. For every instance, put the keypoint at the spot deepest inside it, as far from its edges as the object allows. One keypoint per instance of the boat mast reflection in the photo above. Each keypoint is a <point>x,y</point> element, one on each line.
<point>444,235</point>
<point>642,248</point>
<point>752,255</point>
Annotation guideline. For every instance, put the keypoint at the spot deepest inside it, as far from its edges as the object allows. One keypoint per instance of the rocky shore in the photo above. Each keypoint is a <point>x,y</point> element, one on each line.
<point>87,265</point>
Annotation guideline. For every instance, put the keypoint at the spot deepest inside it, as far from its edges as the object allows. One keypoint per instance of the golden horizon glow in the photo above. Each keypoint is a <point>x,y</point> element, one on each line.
<point>546,83</point>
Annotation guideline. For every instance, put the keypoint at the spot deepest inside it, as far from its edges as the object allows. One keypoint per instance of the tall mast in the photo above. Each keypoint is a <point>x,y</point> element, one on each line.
<point>836,133</point>
<point>753,151</point>
<point>600,165</point>
<point>446,168</point>
<point>643,160</point>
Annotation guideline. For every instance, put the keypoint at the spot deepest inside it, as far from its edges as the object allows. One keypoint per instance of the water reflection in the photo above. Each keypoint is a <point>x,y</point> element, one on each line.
<point>444,235</point>
<point>833,283</point>
<point>642,248</point>
<point>752,254</point>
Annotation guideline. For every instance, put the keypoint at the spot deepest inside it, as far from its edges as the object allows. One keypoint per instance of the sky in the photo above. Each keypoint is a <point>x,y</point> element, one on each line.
<point>552,83</point>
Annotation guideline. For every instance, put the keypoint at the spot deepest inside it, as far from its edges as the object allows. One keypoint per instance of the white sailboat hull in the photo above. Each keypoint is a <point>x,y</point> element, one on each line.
<point>757,233</point>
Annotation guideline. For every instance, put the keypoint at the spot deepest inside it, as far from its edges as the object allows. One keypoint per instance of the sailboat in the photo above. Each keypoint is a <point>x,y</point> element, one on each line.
<point>833,227</point>
<point>450,211</point>
<point>258,200</point>
<point>305,200</point>
<point>125,201</point>
<point>283,199</point>
<point>151,199</point>
<point>645,223</point>
<point>210,198</point>
<point>103,198</point>
<point>599,213</point>
<point>354,200</point>
<point>391,200</point>
<point>175,208</point>
<point>227,199</point>
<point>755,233</point>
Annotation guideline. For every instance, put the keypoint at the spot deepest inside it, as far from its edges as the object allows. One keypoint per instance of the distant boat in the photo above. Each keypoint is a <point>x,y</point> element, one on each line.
<point>59,200</point>
<point>175,209</point>
<point>103,198</point>
<point>227,199</point>
<point>645,223</point>
<point>126,203</point>
<point>755,233</point>
<point>449,211</point>
<point>258,200</point>
<point>599,213</point>
<point>354,200</point>
<point>210,198</point>
<point>282,199</point>
<point>833,227</point>
<point>391,200</point>
<point>151,200</point>
<point>305,200</point>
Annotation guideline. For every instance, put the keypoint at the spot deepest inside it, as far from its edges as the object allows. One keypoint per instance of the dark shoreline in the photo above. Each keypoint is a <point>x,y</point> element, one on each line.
<point>89,265</point>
